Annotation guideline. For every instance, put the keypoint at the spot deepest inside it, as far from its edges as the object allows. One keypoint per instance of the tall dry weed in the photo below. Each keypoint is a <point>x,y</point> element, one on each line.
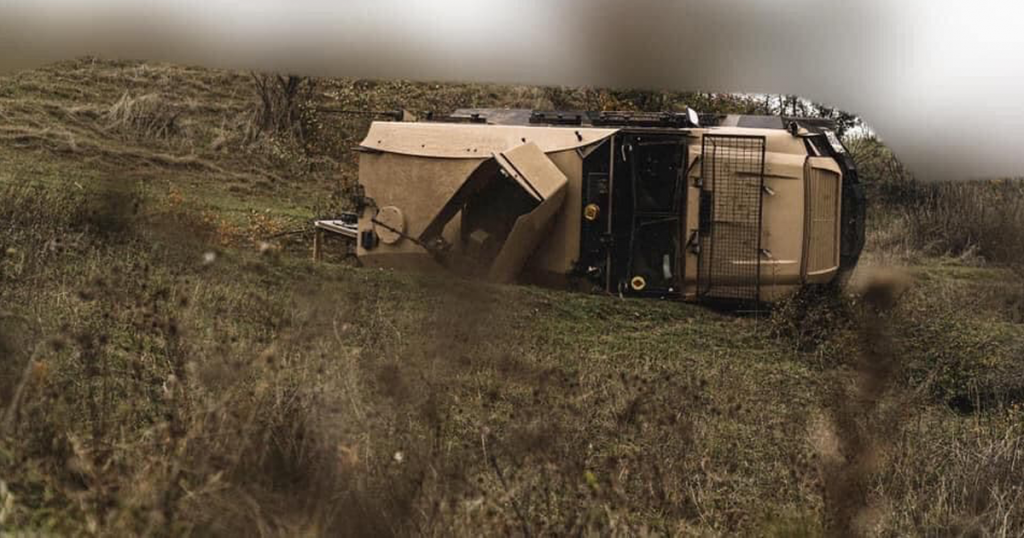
<point>149,116</point>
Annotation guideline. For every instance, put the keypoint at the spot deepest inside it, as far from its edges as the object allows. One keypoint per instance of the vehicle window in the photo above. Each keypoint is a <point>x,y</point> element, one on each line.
<point>837,145</point>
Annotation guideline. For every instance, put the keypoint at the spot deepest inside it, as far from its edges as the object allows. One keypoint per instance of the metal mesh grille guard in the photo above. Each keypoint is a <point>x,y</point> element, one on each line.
<point>732,171</point>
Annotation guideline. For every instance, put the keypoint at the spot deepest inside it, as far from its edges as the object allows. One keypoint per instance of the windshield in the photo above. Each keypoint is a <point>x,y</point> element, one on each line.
<point>837,145</point>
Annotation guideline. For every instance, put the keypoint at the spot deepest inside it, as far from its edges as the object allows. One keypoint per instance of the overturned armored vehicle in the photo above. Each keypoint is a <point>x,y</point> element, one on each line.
<point>745,208</point>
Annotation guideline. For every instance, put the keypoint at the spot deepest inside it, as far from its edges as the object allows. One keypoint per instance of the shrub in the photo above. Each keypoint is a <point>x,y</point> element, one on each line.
<point>983,218</point>
<point>887,181</point>
<point>817,321</point>
<point>963,219</point>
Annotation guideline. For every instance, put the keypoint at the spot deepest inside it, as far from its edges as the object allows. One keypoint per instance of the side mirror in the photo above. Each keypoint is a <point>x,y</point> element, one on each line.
<point>692,115</point>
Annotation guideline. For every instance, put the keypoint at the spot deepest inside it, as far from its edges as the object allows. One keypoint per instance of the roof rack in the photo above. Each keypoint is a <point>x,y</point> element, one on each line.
<point>455,118</point>
<point>577,118</point>
<point>641,119</point>
<point>557,118</point>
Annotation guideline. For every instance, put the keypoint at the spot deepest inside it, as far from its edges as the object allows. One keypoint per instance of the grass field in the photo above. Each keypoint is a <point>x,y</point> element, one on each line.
<point>172,363</point>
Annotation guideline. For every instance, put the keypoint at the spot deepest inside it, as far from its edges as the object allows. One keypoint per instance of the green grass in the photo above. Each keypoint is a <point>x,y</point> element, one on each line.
<point>149,391</point>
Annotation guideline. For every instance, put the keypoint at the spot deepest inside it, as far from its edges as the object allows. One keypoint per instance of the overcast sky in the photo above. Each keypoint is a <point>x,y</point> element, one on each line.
<point>940,80</point>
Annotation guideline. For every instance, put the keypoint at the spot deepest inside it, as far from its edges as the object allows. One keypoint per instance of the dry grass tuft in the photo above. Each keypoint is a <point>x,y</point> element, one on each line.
<point>148,116</point>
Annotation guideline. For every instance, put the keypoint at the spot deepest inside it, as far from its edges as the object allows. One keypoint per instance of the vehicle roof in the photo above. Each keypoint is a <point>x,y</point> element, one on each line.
<point>474,141</point>
<point>479,133</point>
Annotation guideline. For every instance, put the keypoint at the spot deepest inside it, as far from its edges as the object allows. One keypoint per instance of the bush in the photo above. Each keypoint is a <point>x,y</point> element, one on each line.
<point>817,321</point>
<point>887,182</point>
<point>963,219</point>
<point>959,219</point>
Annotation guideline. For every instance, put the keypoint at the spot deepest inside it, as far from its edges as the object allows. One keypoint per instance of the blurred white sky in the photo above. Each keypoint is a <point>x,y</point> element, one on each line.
<point>940,80</point>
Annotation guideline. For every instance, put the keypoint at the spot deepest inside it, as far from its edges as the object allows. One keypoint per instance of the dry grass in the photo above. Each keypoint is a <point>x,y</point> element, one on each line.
<point>970,220</point>
<point>983,219</point>
<point>149,116</point>
<point>268,396</point>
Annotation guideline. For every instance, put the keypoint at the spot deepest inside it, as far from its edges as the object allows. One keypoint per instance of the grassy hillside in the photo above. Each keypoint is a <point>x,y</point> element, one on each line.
<point>172,363</point>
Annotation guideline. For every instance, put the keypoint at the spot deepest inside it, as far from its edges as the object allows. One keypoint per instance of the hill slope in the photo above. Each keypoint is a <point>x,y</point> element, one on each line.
<point>163,373</point>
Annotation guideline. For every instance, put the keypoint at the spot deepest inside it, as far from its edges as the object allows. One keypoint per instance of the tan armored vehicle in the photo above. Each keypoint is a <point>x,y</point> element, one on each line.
<point>745,208</point>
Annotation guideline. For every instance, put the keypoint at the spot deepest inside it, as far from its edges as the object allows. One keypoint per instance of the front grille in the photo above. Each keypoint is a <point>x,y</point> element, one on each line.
<point>823,199</point>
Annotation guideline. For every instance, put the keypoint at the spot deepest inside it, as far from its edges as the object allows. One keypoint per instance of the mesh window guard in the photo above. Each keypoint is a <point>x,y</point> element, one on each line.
<point>732,171</point>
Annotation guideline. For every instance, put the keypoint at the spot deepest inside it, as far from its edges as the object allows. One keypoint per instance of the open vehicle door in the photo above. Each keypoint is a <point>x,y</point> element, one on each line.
<point>507,204</point>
